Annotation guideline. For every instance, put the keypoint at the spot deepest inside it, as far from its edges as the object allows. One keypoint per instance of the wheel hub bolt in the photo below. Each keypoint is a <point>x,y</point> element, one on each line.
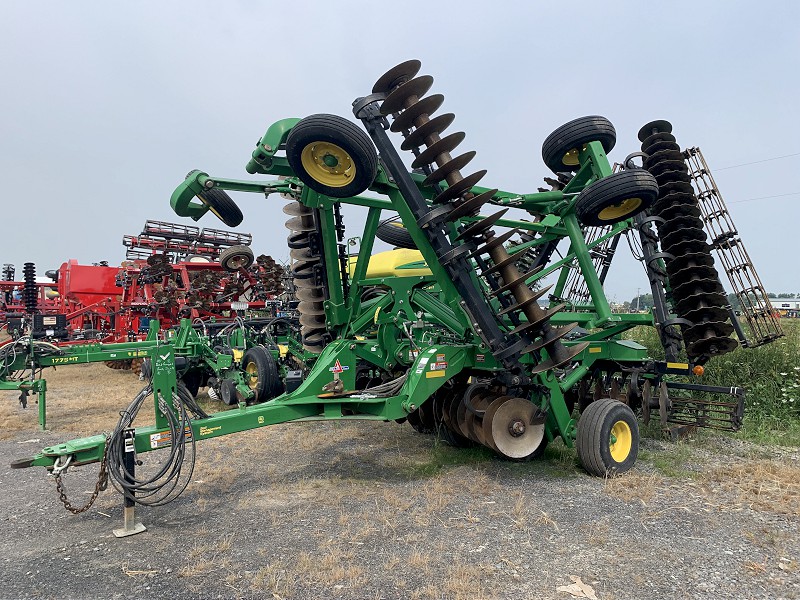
<point>517,428</point>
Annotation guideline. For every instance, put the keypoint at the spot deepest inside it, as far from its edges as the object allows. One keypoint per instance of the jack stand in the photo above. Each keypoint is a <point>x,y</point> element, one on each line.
<point>130,526</point>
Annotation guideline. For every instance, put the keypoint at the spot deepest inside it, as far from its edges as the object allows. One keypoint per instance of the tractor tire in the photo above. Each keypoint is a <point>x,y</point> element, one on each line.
<point>608,438</point>
<point>262,372</point>
<point>236,257</point>
<point>560,149</point>
<point>332,156</point>
<point>616,197</point>
<point>393,233</point>
<point>222,205</point>
<point>192,380</point>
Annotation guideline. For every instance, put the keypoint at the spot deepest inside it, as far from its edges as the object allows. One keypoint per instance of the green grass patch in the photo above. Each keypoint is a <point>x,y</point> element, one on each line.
<point>443,456</point>
<point>770,374</point>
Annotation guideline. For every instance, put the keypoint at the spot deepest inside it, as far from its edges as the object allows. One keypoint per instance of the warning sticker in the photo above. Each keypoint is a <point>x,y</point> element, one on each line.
<point>480,357</point>
<point>438,366</point>
<point>338,368</point>
<point>441,358</point>
<point>164,438</point>
<point>433,374</point>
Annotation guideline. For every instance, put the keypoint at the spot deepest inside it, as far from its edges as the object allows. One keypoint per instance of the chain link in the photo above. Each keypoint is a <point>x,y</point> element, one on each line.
<point>102,484</point>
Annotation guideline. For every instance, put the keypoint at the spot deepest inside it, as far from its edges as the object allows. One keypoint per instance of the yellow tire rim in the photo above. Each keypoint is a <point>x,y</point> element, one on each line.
<point>617,211</point>
<point>252,375</point>
<point>621,441</point>
<point>572,157</point>
<point>328,164</point>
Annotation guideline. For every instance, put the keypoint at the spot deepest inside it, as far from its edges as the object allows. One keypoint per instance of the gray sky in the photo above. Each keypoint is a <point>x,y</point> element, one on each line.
<point>106,106</point>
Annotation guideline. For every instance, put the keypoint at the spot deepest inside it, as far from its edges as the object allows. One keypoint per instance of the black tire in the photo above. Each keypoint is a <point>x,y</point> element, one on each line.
<point>392,232</point>
<point>236,257</point>
<point>222,205</point>
<point>558,150</point>
<point>318,139</point>
<point>258,362</point>
<point>598,455</point>
<point>616,197</point>
<point>192,381</point>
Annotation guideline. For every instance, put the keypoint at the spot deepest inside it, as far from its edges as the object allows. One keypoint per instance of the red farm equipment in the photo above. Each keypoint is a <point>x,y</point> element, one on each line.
<point>171,271</point>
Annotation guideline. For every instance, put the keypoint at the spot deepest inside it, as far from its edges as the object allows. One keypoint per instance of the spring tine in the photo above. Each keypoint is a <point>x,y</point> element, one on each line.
<point>435,126</point>
<point>479,227</point>
<point>414,88</point>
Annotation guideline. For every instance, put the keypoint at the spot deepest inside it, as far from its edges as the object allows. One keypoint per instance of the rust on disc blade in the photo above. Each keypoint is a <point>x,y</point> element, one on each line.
<point>516,430</point>
<point>416,87</point>
<point>436,125</point>
<point>395,76</point>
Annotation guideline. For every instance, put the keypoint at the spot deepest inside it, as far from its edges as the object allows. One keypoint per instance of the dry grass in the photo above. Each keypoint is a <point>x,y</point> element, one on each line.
<point>762,485</point>
<point>634,487</point>
<point>81,399</point>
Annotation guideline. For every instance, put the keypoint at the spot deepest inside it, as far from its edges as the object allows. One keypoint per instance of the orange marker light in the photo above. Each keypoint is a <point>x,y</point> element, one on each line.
<point>698,370</point>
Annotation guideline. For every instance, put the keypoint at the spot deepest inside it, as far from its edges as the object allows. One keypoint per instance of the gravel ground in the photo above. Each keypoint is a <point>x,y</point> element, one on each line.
<point>372,510</point>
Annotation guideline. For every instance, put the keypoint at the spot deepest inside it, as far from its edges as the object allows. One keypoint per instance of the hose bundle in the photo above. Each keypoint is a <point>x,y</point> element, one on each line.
<point>170,478</point>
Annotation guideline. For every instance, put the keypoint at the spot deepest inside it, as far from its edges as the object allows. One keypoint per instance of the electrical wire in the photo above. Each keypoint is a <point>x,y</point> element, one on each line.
<point>755,162</point>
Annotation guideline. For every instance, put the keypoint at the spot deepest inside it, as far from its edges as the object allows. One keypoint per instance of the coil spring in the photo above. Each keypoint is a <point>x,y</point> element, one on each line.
<point>697,293</point>
<point>405,99</point>
<point>306,267</point>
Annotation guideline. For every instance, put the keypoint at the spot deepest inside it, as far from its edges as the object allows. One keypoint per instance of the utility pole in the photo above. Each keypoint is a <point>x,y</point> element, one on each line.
<point>637,299</point>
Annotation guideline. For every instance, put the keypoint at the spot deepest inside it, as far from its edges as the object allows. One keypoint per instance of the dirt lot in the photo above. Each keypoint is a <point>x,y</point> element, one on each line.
<point>372,510</point>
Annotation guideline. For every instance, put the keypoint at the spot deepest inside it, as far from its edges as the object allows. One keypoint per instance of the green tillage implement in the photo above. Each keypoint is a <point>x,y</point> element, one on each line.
<point>464,350</point>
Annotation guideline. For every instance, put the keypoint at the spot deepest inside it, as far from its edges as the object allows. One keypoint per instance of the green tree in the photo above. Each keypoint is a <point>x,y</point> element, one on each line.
<point>642,302</point>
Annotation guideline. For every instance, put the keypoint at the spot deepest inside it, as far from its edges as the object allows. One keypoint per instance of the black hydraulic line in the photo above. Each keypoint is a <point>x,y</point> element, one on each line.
<point>671,339</point>
<point>481,314</point>
<point>609,255</point>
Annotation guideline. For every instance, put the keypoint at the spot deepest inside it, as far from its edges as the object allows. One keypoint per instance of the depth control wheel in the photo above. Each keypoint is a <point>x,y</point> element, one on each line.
<point>332,156</point>
<point>561,148</point>
<point>261,372</point>
<point>236,257</point>
<point>392,231</point>
<point>608,438</point>
<point>616,197</point>
<point>222,205</point>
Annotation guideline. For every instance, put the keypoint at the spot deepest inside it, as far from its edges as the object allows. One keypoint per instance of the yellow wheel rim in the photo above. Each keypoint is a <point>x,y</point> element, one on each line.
<point>328,164</point>
<point>617,211</point>
<point>252,375</point>
<point>571,158</point>
<point>621,441</point>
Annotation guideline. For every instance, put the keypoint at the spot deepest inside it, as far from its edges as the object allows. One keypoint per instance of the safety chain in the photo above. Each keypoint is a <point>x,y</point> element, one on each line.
<point>102,484</point>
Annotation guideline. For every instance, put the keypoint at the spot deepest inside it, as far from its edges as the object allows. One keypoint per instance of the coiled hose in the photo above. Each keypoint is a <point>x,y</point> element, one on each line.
<point>170,478</point>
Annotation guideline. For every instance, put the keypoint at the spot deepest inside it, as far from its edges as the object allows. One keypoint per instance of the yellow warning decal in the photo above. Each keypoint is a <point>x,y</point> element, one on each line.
<point>595,350</point>
<point>432,374</point>
<point>677,365</point>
